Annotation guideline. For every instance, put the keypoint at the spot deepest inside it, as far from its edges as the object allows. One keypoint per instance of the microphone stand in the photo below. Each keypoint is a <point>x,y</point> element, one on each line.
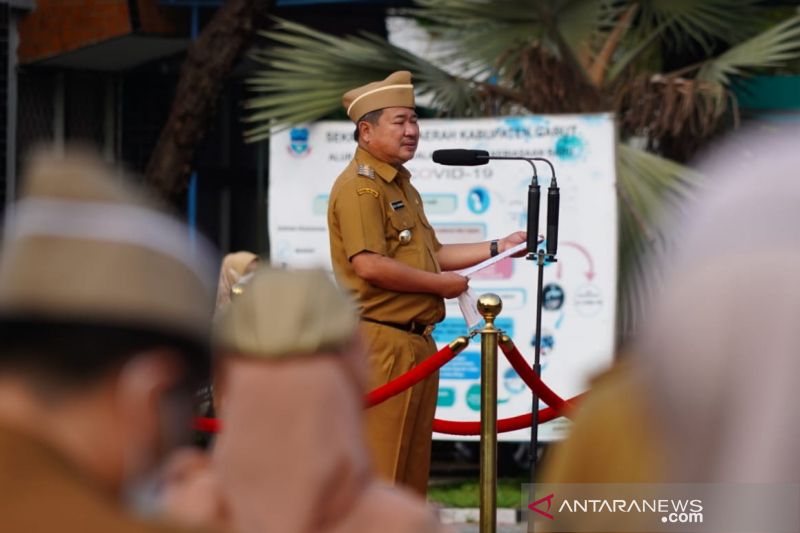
<point>541,257</point>
<point>481,157</point>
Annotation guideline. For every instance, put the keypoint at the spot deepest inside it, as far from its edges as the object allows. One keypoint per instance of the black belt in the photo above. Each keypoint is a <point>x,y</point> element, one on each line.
<point>411,327</point>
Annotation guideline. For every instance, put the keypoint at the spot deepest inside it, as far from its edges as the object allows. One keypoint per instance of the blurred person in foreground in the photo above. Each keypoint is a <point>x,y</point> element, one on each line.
<point>614,438</point>
<point>291,456</point>
<point>104,318</point>
<point>236,269</point>
<point>706,395</point>
<point>385,253</point>
<point>721,353</point>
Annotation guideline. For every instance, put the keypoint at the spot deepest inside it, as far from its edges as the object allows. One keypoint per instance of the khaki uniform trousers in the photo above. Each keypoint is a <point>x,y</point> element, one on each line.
<point>399,430</point>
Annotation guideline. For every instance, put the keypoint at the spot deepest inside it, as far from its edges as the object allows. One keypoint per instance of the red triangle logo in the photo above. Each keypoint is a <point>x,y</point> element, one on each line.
<point>545,513</point>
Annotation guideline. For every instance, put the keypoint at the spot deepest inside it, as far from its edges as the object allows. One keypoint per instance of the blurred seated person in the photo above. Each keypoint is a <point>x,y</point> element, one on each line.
<point>234,267</point>
<point>614,437</point>
<point>291,457</point>
<point>706,399</point>
<point>720,350</point>
<point>105,315</point>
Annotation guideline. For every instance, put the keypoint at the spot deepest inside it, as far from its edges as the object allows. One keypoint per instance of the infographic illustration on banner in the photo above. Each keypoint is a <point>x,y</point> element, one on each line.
<point>467,204</point>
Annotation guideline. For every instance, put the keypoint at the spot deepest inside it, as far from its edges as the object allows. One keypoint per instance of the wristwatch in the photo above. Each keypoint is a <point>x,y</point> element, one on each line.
<point>493,251</point>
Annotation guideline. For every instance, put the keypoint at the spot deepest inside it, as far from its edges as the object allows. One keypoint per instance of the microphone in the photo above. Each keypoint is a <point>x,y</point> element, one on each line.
<point>553,201</point>
<point>533,217</point>
<point>461,157</point>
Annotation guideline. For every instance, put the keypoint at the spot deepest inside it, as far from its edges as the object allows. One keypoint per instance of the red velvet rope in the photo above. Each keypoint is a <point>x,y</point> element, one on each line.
<point>530,378</point>
<point>410,378</point>
<point>557,405</point>
<point>449,427</point>
<point>504,425</point>
<point>206,424</point>
<point>374,397</point>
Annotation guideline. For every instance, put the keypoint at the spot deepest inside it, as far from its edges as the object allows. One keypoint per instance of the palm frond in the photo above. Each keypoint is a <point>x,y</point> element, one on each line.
<point>675,114</point>
<point>632,51</point>
<point>584,23</point>
<point>700,22</point>
<point>771,48</point>
<point>452,13</point>
<point>305,72</point>
<point>484,31</point>
<point>479,33</point>
<point>648,187</point>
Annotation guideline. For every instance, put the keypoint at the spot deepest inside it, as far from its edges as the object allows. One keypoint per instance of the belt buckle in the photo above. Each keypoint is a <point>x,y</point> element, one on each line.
<point>429,329</point>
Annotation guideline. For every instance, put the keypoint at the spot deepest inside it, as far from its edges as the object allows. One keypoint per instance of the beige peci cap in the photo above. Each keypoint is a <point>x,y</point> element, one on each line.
<point>83,246</point>
<point>287,312</point>
<point>395,91</point>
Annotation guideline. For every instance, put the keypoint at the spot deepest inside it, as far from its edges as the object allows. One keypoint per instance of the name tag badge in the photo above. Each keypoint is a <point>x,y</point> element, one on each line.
<point>397,205</point>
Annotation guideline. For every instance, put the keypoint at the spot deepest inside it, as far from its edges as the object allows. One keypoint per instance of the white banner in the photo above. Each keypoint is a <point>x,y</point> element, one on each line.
<point>467,204</point>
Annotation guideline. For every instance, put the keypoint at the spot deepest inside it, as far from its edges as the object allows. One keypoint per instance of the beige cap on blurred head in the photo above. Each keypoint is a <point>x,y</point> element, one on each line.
<point>395,91</point>
<point>287,312</point>
<point>83,246</point>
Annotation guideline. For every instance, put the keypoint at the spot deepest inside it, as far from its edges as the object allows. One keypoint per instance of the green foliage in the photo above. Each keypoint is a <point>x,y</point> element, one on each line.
<point>481,32</point>
<point>306,72</point>
<point>649,188</point>
<point>685,23</point>
<point>771,48</point>
<point>466,494</point>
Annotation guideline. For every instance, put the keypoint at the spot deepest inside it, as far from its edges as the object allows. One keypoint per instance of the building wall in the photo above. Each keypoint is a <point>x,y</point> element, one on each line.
<point>157,19</point>
<point>122,112</point>
<point>59,26</point>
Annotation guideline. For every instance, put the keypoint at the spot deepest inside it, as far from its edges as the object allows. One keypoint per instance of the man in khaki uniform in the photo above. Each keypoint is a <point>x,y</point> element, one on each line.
<point>385,252</point>
<point>104,318</point>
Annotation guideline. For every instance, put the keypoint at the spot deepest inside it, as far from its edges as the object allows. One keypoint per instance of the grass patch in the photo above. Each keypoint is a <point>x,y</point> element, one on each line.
<point>463,494</point>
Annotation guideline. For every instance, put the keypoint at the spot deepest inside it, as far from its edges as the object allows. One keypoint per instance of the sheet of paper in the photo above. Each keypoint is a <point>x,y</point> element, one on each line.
<point>467,301</point>
<point>467,272</point>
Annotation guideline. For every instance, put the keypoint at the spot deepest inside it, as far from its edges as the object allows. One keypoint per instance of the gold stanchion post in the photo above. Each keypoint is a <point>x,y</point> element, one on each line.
<point>489,306</point>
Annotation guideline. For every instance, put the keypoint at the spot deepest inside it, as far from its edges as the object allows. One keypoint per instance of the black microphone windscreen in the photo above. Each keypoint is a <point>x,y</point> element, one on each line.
<point>553,203</point>
<point>533,218</point>
<point>461,157</point>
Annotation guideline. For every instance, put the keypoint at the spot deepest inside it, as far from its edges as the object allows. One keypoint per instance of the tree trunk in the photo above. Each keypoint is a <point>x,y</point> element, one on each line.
<point>209,62</point>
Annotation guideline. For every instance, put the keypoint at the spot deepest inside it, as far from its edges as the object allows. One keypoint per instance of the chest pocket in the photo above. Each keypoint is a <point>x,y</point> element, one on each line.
<point>402,219</point>
<point>402,234</point>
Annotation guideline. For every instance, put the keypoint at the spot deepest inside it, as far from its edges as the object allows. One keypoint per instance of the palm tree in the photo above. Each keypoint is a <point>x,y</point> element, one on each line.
<point>665,67</point>
<point>209,61</point>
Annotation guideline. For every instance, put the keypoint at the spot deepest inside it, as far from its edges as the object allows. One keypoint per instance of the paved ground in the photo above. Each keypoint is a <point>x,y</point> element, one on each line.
<point>466,520</point>
<point>473,528</point>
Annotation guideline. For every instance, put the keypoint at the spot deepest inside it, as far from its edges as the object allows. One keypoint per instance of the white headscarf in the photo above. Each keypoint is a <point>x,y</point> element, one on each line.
<point>721,351</point>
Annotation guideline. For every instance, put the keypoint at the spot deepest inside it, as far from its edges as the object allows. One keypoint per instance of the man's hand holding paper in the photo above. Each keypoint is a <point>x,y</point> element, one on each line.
<point>468,301</point>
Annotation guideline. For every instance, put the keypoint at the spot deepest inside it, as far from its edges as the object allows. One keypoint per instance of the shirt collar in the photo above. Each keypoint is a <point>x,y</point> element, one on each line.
<point>386,171</point>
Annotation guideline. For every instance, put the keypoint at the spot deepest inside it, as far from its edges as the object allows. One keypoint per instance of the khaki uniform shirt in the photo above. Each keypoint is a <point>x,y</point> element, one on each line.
<point>41,492</point>
<point>371,203</point>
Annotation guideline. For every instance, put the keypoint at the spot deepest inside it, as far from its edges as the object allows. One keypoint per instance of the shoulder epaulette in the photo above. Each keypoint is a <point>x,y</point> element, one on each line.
<point>366,171</point>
